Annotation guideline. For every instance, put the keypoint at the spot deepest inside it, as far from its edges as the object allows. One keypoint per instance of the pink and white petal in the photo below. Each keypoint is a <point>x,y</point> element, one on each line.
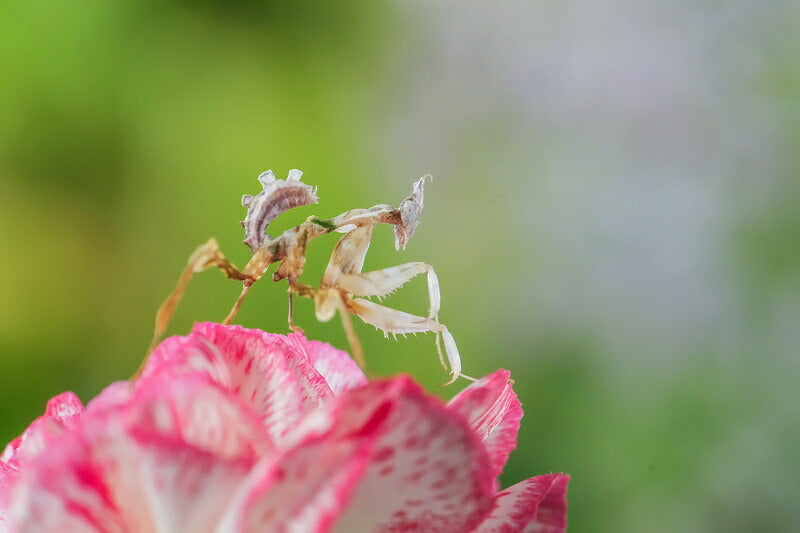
<point>428,471</point>
<point>195,411</point>
<point>179,488</point>
<point>336,366</point>
<point>306,488</point>
<point>8,474</point>
<point>65,407</point>
<point>237,360</point>
<point>184,355</point>
<point>186,445</point>
<point>132,468</point>
<point>494,412</point>
<point>114,395</point>
<point>121,484</point>
<point>63,490</point>
<point>238,351</point>
<point>528,505</point>
<point>239,344</point>
<point>61,411</point>
<point>552,514</point>
<point>315,387</point>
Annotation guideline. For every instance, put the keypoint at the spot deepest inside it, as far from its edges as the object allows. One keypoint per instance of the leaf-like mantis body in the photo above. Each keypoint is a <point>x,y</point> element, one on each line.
<point>343,286</point>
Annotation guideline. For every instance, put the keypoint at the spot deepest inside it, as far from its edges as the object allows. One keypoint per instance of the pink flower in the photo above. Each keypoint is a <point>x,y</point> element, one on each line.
<point>230,429</point>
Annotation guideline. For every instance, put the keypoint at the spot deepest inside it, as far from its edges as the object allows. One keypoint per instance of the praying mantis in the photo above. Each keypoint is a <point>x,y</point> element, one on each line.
<point>344,287</point>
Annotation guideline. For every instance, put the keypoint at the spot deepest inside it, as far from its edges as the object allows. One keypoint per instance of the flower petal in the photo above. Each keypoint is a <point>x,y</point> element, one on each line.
<point>61,412</point>
<point>64,407</point>
<point>336,366</point>
<point>494,412</point>
<point>116,394</point>
<point>552,515</point>
<point>182,488</point>
<point>8,474</point>
<point>168,460</point>
<point>195,411</point>
<point>265,370</point>
<point>428,470</point>
<point>306,488</point>
<point>63,490</point>
<point>118,482</point>
<point>536,504</point>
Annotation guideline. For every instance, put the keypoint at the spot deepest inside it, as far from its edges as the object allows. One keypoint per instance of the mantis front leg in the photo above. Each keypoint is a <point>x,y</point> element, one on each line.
<point>387,280</point>
<point>393,321</point>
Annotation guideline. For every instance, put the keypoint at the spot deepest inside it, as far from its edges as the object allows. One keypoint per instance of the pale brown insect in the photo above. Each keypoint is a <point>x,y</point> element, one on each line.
<point>343,286</point>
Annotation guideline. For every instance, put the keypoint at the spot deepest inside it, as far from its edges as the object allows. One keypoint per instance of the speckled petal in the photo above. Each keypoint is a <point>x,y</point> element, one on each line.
<point>62,411</point>
<point>536,504</point>
<point>8,474</point>
<point>267,371</point>
<point>114,395</point>
<point>183,488</point>
<point>118,482</point>
<point>63,491</point>
<point>197,412</point>
<point>336,366</point>
<point>305,489</point>
<point>494,412</point>
<point>428,471</point>
<point>169,460</point>
<point>552,514</point>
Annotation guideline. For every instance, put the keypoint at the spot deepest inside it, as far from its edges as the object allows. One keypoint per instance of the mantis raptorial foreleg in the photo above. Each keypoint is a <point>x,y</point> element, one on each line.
<point>393,321</point>
<point>348,255</point>
<point>387,280</point>
<point>343,275</point>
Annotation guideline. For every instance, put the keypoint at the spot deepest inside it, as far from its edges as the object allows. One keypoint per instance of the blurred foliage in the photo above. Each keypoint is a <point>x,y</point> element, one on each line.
<point>128,132</point>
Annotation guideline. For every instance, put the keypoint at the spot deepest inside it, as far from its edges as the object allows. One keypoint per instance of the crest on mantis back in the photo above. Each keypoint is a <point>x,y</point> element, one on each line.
<point>276,197</point>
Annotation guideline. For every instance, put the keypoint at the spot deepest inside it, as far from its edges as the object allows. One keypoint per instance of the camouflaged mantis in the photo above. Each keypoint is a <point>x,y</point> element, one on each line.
<point>343,286</point>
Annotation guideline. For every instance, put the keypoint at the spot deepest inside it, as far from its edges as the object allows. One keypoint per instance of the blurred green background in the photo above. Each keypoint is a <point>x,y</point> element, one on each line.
<point>615,216</point>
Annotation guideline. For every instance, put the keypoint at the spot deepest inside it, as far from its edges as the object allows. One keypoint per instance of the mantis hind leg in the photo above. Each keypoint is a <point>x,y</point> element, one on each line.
<point>355,344</point>
<point>206,256</point>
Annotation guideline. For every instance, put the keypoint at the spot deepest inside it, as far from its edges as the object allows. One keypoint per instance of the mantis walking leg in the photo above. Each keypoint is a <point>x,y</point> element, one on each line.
<point>206,256</point>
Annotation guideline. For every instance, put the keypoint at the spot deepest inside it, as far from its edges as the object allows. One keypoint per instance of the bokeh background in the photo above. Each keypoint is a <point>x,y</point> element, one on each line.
<point>615,215</point>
